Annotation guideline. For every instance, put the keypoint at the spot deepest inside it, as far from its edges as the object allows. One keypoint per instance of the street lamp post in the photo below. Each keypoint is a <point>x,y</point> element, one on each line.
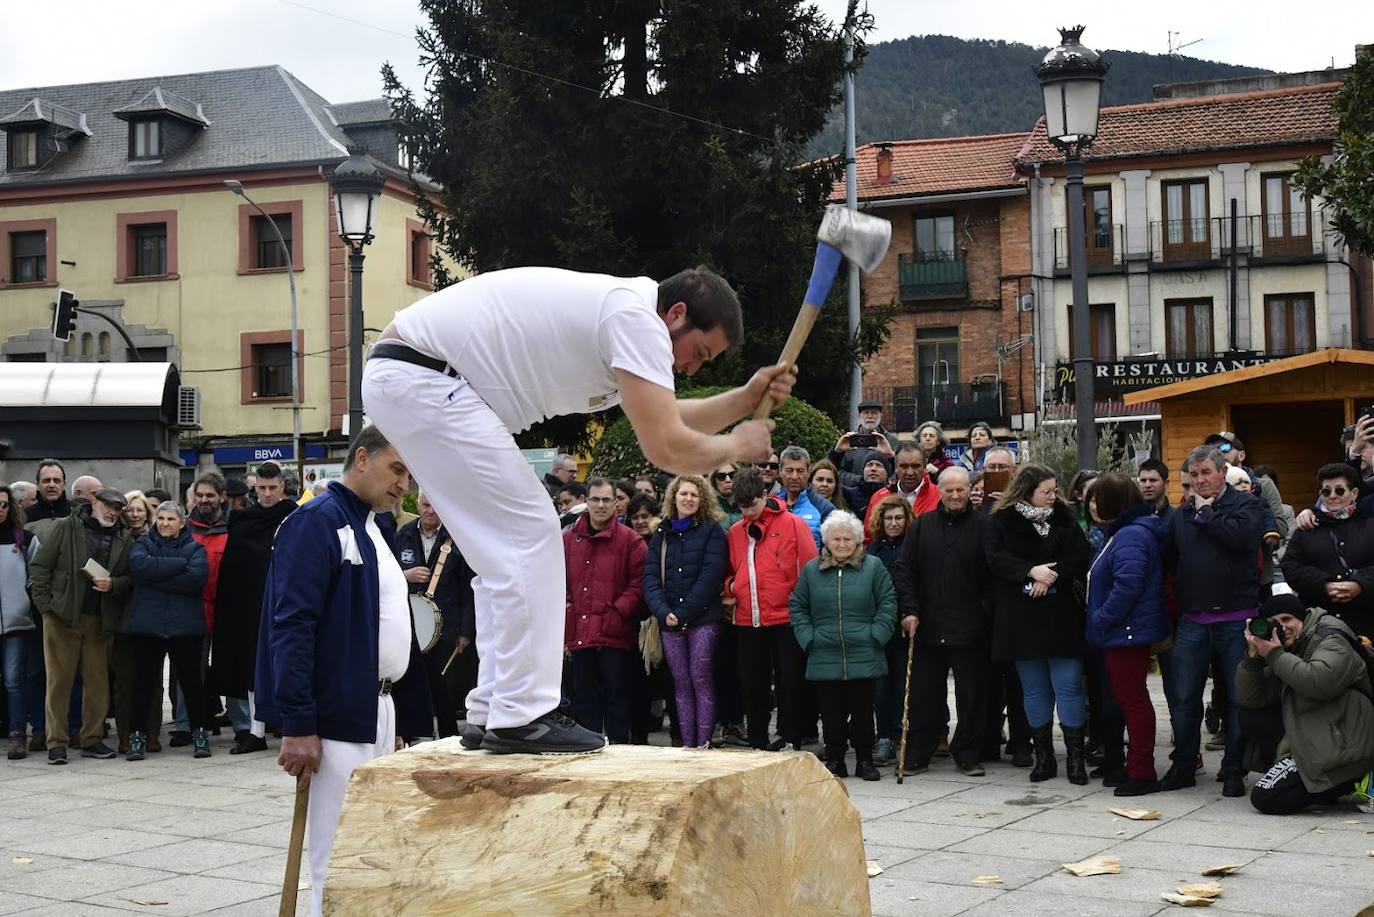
<point>1071,79</point>
<point>357,187</point>
<point>237,188</point>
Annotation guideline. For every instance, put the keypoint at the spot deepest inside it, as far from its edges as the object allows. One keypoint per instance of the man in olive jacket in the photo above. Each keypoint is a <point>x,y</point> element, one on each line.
<point>1308,671</point>
<point>80,612</point>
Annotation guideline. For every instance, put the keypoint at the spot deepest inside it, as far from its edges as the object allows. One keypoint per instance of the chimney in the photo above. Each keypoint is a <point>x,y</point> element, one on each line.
<point>884,163</point>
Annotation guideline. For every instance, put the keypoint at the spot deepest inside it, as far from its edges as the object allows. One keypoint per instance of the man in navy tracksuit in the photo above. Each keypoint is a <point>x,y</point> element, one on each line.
<point>338,665</point>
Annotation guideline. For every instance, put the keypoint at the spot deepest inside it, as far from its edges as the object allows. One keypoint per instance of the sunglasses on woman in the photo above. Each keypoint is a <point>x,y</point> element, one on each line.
<point>723,476</point>
<point>1337,491</point>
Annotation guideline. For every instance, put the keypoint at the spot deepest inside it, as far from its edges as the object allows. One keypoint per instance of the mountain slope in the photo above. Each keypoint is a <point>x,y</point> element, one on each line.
<point>938,86</point>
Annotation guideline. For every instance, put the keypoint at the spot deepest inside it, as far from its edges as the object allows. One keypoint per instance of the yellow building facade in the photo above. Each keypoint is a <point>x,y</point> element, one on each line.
<point>191,270</point>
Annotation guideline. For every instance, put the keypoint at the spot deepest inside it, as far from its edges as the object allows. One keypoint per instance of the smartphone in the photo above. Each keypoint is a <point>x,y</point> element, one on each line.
<point>1366,411</point>
<point>863,440</point>
<point>996,482</point>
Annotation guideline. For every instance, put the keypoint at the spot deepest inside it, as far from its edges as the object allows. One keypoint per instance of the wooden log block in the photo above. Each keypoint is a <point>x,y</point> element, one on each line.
<point>631,830</point>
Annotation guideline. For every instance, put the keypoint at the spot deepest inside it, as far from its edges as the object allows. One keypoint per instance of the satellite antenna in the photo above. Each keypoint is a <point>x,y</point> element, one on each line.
<point>1175,48</point>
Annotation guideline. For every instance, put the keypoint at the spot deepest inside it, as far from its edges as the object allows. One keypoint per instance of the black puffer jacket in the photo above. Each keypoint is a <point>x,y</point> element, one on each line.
<point>1327,552</point>
<point>684,572</point>
<point>168,575</point>
<point>942,578</point>
<point>1052,625</point>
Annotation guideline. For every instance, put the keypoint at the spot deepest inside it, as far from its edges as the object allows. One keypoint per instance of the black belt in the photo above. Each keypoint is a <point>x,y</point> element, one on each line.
<point>384,687</point>
<point>399,350</point>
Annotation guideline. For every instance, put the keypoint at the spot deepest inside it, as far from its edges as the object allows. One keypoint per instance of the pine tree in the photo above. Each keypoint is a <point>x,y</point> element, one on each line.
<point>578,174</point>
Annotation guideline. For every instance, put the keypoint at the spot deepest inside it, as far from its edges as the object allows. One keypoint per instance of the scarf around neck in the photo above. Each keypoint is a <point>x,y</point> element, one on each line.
<point>1338,514</point>
<point>1037,516</point>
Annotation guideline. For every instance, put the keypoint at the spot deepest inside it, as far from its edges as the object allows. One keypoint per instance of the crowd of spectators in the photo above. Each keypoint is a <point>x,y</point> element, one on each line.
<point>775,605</point>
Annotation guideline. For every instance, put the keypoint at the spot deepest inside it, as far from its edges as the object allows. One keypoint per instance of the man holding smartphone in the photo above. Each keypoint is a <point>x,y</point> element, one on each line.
<point>854,446</point>
<point>457,374</point>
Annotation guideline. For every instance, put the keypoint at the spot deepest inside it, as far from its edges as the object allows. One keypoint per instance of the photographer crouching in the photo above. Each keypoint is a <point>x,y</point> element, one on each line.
<point>1305,706</point>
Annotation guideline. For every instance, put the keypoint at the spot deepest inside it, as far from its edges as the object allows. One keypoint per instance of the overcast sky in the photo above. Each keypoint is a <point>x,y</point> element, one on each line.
<point>78,41</point>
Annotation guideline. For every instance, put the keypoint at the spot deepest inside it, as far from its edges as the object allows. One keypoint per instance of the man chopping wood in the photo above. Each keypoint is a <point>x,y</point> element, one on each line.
<point>458,373</point>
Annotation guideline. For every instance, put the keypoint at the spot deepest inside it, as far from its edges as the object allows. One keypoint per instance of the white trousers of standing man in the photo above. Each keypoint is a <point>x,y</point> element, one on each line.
<point>327,788</point>
<point>501,519</point>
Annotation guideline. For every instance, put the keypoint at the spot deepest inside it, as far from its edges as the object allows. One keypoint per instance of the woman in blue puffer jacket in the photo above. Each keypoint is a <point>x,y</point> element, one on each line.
<point>167,615</point>
<point>683,574</point>
<point>1126,614</point>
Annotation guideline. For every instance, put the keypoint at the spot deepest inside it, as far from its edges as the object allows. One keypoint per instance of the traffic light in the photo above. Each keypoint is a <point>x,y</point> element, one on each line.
<point>64,315</point>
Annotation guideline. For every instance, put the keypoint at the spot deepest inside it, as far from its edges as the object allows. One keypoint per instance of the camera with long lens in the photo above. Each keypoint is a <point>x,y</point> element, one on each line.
<point>1264,628</point>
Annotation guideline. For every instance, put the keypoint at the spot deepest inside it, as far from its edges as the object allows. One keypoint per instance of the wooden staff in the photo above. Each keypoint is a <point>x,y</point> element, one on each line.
<point>906,707</point>
<point>290,883</point>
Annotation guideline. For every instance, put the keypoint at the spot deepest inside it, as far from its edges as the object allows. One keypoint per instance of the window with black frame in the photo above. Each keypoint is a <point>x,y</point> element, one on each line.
<point>28,257</point>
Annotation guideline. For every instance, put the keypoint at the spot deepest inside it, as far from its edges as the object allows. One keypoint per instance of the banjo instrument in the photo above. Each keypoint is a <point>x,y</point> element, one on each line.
<point>424,611</point>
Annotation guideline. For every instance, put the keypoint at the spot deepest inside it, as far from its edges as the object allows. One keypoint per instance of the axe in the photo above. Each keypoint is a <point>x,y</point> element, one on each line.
<point>844,233</point>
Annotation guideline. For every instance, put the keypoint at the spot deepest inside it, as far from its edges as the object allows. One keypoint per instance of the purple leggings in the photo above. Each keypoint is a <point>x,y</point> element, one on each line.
<point>691,656</point>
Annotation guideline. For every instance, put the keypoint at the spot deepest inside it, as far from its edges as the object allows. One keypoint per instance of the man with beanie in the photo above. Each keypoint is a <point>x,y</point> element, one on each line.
<point>81,604</point>
<point>1305,698</point>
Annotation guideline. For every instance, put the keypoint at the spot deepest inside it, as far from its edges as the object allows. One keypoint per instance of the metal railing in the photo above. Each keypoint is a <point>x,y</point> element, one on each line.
<point>1104,248</point>
<point>953,405</point>
<point>932,275</point>
<point>1271,236</point>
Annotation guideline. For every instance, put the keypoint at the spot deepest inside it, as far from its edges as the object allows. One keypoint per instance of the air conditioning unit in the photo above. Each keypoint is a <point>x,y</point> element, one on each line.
<point>188,407</point>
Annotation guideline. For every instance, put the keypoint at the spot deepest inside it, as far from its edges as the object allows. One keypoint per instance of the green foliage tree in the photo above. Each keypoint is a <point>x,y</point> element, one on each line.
<point>1347,182</point>
<point>661,136</point>
<point>617,453</point>
<point>1056,445</point>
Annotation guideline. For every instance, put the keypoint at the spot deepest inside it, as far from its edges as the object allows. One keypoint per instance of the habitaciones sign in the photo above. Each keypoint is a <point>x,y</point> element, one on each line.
<point>1117,377</point>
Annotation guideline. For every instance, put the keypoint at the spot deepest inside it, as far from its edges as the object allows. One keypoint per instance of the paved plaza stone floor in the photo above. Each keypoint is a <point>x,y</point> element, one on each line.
<point>176,836</point>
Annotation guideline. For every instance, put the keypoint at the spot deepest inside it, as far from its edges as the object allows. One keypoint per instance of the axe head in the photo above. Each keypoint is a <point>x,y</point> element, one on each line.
<point>862,238</point>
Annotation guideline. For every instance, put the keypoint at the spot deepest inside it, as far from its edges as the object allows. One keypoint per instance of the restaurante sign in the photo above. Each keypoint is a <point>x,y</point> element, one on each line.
<point>1120,376</point>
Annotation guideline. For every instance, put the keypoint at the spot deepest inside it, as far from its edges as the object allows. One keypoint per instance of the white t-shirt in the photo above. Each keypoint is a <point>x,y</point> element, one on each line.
<point>538,342</point>
<point>393,632</point>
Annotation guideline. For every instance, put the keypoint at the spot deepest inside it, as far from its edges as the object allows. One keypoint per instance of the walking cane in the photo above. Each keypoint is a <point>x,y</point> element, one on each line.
<point>906,707</point>
<point>290,883</point>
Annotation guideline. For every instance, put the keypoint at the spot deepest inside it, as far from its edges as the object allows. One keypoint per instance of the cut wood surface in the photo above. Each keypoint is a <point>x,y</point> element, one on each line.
<point>631,830</point>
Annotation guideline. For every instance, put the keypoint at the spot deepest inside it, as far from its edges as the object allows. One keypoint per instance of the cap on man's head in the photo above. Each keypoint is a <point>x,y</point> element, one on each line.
<point>1225,436</point>
<point>875,456</point>
<point>236,487</point>
<point>1282,602</point>
<point>868,404</point>
<point>1236,475</point>
<point>111,497</point>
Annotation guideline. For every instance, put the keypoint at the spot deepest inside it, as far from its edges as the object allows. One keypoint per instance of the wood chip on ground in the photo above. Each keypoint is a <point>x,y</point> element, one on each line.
<point>1223,870</point>
<point>1187,900</point>
<point>1138,814</point>
<point>1101,865</point>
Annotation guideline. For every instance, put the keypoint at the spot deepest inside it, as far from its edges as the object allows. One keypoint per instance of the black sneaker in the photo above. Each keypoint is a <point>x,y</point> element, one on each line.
<point>248,743</point>
<point>1021,756</point>
<point>1133,787</point>
<point>57,754</point>
<point>97,750</point>
<point>472,736</point>
<point>837,767</point>
<point>778,744</point>
<point>916,767</point>
<point>1234,784</point>
<point>1178,778</point>
<point>970,769</point>
<point>180,738</point>
<point>551,734</point>
<point>867,770</point>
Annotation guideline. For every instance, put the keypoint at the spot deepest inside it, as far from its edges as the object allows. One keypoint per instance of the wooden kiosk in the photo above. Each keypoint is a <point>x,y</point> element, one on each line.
<point>631,830</point>
<point>1288,413</point>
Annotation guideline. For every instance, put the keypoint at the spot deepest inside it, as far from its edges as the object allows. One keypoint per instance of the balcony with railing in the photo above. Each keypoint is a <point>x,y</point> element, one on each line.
<point>1104,249</point>
<point>932,275</point>
<point>1273,238</point>
<point>953,405</point>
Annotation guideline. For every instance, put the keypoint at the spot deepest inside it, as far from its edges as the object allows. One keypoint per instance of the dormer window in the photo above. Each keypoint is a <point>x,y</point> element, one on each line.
<point>145,138</point>
<point>23,150</point>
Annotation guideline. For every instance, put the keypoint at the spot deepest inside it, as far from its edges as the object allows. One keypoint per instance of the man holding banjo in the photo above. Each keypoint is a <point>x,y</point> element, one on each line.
<point>441,607</point>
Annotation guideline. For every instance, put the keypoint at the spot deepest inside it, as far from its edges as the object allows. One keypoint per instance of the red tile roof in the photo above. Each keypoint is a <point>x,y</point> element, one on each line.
<point>946,165</point>
<point>1237,121</point>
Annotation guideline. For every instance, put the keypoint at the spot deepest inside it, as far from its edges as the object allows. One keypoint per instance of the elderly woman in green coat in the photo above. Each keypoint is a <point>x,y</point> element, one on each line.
<point>844,610</point>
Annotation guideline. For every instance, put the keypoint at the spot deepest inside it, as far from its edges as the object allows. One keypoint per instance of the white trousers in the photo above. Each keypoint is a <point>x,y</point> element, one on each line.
<point>327,788</point>
<point>501,519</point>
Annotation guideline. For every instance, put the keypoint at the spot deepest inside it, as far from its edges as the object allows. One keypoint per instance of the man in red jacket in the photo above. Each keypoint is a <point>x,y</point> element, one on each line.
<point>605,562</point>
<point>768,548</point>
<point>921,494</point>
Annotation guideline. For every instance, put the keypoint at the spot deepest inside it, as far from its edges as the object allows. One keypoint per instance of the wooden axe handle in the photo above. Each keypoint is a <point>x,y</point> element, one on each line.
<point>801,329</point>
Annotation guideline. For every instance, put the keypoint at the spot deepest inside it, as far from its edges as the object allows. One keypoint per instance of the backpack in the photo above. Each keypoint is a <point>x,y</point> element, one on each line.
<point>1362,649</point>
